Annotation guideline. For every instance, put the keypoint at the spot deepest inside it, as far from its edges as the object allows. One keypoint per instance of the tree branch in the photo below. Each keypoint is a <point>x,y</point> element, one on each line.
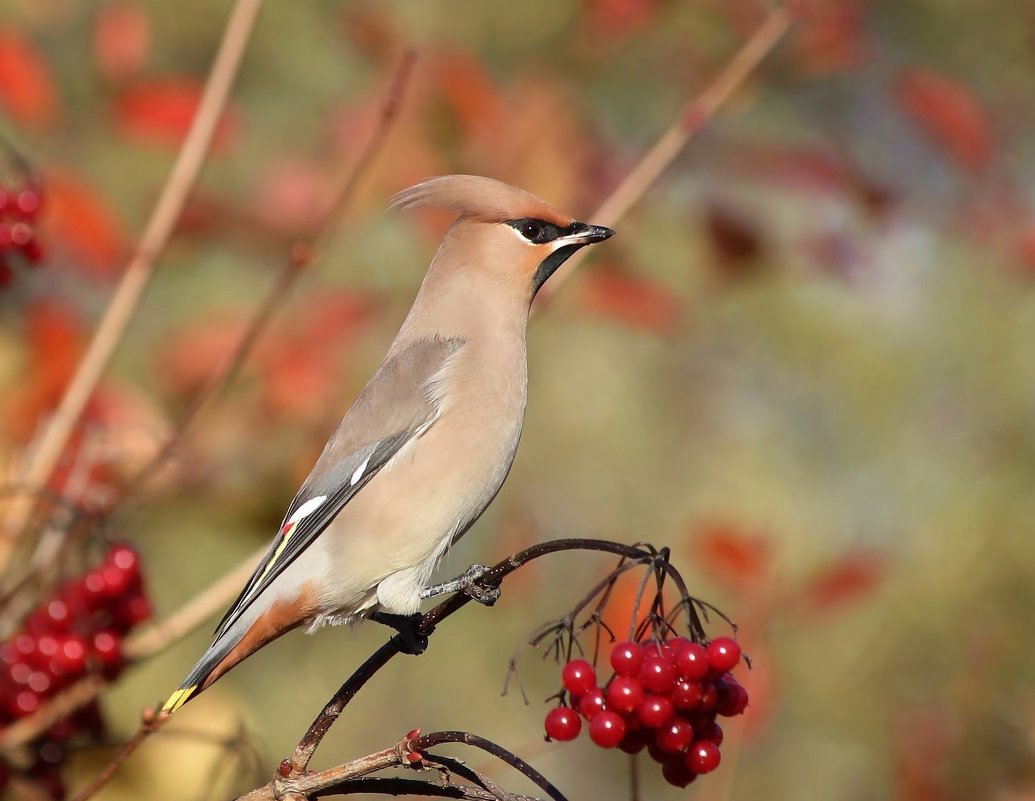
<point>46,451</point>
<point>691,119</point>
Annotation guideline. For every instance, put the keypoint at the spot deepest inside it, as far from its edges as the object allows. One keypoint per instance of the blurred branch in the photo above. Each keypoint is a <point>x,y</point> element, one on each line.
<point>46,451</point>
<point>691,118</point>
<point>161,635</point>
<point>301,255</point>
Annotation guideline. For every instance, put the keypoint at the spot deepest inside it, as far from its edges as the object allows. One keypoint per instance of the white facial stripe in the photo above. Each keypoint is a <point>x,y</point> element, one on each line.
<point>356,476</point>
<point>517,233</point>
<point>306,509</point>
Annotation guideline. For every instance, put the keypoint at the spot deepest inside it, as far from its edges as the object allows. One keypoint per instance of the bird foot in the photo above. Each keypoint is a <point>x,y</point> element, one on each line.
<point>413,641</point>
<point>469,584</point>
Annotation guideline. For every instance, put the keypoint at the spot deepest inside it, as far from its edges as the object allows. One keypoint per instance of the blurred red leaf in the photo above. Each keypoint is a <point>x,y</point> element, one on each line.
<point>193,354</point>
<point>292,196</point>
<point>121,39</point>
<point>613,293</point>
<point>160,112</point>
<point>54,340</point>
<point>303,365</point>
<point>1026,250</point>
<point>846,580</point>
<point>470,91</point>
<point>830,37</point>
<point>731,553</point>
<point>78,219</point>
<point>27,89</point>
<point>948,113</point>
<point>620,19</point>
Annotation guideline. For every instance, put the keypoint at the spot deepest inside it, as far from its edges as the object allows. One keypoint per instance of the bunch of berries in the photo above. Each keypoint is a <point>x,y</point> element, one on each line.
<point>664,697</point>
<point>74,631</point>
<point>19,210</point>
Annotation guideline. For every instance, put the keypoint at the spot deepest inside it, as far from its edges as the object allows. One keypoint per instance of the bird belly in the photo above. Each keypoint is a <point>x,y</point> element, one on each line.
<point>383,547</point>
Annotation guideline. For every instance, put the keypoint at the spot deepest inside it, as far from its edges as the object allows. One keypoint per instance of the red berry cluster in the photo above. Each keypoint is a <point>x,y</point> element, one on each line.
<point>664,697</point>
<point>19,210</point>
<point>74,631</point>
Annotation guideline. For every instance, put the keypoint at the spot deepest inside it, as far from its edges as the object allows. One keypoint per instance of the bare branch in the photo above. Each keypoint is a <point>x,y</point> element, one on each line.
<point>688,123</point>
<point>123,304</point>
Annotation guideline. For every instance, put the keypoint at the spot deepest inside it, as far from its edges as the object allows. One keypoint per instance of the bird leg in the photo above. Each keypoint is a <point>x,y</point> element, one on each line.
<point>413,642</point>
<point>468,584</point>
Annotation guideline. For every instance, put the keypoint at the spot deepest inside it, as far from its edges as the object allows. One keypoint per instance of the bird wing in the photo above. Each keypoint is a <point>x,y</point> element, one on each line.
<point>396,407</point>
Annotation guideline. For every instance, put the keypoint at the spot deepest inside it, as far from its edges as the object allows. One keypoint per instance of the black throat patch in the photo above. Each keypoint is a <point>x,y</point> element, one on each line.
<point>550,264</point>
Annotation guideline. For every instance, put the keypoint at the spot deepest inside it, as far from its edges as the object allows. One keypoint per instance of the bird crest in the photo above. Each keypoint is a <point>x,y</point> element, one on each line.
<point>478,198</point>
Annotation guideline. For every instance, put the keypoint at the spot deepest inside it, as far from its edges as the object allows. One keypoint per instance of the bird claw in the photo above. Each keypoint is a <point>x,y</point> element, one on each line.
<point>411,639</point>
<point>469,583</point>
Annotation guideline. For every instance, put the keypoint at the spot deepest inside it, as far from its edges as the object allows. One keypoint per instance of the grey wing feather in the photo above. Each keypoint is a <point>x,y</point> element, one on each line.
<point>397,405</point>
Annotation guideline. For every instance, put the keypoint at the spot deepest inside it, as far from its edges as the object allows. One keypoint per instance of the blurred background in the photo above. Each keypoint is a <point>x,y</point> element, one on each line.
<point>804,363</point>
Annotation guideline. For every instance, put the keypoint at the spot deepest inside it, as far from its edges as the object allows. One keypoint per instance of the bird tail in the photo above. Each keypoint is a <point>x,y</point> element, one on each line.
<point>205,672</point>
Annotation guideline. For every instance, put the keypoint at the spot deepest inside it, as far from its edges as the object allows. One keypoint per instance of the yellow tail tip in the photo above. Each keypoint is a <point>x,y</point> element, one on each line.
<point>178,699</point>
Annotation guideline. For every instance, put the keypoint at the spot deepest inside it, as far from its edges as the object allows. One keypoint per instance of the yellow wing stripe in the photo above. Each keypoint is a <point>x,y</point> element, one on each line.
<point>178,699</point>
<point>285,535</point>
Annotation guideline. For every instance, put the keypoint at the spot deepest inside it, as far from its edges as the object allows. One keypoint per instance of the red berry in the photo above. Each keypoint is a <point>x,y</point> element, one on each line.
<point>703,757</point>
<point>607,729</point>
<point>126,558</point>
<point>709,697</point>
<point>592,703</point>
<point>674,736</point>
<point>39,682</point>
<point>624,694</point>
<point>675,645</point>
<point>19,673</point>
<point>659,651</point>
<point>627,658</point>
<point>46,649</point>
<point>633,742</point>
<point>133,611</point>
<point>685,695</point>
<point>710,732</point>
<point>106,648</point>
<point>654,711</point>
<point>723,654</point>
<point>676,772</point>
<point>25,646</point>
<point>657,674</point>
<point>692,662</point>
<point>6,198</point>
<point>655,752</point>
<point>578,677</point>
<point>24,703</point>
<point>116,581</point>
<point>70,659</point>
<point>27,203</point>
<point>21,234</point>
<point>562,724</point>
<point>91,590</point>
<point>733,698</point>
<point>58,615</point>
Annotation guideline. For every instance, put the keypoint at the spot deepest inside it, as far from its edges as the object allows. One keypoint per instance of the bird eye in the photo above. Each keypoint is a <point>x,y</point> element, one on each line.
<point>531,231</point>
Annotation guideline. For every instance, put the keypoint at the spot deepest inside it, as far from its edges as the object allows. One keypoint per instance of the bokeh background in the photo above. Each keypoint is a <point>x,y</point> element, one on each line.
<point>805,363</point>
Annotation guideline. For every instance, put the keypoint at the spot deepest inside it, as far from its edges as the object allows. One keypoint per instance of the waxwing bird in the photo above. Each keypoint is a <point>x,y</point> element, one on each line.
<point>428,442</point>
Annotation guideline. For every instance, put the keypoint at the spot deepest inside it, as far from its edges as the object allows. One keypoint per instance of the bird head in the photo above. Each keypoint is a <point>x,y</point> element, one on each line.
<point>511,233</point>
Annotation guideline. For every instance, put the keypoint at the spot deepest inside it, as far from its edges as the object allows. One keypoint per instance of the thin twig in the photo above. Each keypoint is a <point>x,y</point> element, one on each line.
<point>301,255</point>
<point>332,710</point>
<point>689,122</point>
<point>123,304</point>
<point>182,622</point>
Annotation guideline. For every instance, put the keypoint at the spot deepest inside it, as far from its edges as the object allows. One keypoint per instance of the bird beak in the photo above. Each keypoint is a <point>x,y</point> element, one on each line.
<point>585,234</point>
